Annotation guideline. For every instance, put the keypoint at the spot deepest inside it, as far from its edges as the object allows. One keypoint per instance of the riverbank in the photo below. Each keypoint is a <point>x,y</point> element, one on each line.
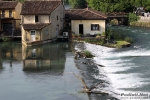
<point>100,88</point>
<point>141,24</point>
<point>117,44</point>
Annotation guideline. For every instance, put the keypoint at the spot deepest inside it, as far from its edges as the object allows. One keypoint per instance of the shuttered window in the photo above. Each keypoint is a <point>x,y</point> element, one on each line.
<point>95,27</point>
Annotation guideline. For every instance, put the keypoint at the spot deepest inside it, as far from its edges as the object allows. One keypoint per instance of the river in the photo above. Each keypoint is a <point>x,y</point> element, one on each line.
<point>44,72</point>
<point>127,70</point>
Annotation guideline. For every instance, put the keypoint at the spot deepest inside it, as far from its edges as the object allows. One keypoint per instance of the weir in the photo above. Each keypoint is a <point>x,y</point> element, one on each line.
<point>126,69</point>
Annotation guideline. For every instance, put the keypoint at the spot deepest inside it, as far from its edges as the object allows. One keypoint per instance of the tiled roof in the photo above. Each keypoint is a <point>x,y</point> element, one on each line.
<point>84,14</point>
<point>36,26</point>
<point>39,7</point>
<point>116,14</point>
<point>8,4</point>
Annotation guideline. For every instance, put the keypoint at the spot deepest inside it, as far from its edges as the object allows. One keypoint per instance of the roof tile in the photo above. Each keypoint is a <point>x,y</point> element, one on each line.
<point>8,4</point>
<point>85,14</point>
<point>36,26</point>
<point>39,7</point>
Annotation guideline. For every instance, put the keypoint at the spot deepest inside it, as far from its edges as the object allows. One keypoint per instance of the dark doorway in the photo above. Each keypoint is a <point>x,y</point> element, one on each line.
<point>81,29</point>
<point>7,27</point>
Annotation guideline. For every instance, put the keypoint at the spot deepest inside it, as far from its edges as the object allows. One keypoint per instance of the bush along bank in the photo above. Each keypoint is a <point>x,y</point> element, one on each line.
<point>108,39</point>
<point>84,54</point>
<point>133,21</point>
<point>141,24</point>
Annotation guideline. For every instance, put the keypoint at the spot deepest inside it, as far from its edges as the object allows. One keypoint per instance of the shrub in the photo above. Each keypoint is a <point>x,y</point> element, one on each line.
<point>114,22</point>
<point>133,17</point>
<point>73,35</point>
<point>128,39</point>
<point>79,35</point>
<point>103,34</point>
<point>87,40</point>
<point>76,35</point>
<point>88,54</point>
<point>98,34</point>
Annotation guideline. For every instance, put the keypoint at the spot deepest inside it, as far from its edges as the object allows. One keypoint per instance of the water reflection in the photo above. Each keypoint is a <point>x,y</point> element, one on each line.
<point>1,67</point>
<point>48,57</point>
<point>10,52</point>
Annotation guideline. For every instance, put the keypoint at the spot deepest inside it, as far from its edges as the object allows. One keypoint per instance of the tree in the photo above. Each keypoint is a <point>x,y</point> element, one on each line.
<point>78,3</point>
<point>66,1</point>
<point>133,17</point>
<point>111,5</point>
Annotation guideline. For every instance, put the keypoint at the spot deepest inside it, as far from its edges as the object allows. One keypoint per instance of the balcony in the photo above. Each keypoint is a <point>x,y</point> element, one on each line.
<point>6,16</point>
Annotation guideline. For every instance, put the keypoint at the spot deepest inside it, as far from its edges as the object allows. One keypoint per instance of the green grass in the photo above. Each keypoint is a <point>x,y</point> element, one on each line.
<point>121,43</point>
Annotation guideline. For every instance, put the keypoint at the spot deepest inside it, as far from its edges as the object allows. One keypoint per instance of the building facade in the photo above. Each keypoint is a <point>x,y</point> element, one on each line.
<point>42,21</point>
<point>86,21</point>
<point>10,17</point>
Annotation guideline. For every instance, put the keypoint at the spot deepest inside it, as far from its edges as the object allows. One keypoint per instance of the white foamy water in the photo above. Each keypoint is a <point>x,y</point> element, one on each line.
<point>119,67</point>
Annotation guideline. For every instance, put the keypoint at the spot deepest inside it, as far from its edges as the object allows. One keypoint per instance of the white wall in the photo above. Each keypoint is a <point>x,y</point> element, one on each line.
<point>87,26</point>
<point>28,19</point>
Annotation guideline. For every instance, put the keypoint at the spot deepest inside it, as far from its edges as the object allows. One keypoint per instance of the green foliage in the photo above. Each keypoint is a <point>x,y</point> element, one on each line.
<point>66,1</point>
<point>118,5</point>
<point>111,5</point>
<point>114,22</point>
<point>129,39</point>
<point>88,54</point>
<point>103,34</point>
<point>102,42</point>
<point>133,17</point>
<point>76,35</point>
<point>98,36</point>
<point>73,35</point>
<point>143,24</point>
<point>79,35</point>
<point>109,33</point>
<point>77,3</point>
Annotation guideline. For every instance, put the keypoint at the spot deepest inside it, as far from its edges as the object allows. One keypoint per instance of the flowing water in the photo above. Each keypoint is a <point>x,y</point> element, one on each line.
<point>127,69</point>
<point>44,72</point>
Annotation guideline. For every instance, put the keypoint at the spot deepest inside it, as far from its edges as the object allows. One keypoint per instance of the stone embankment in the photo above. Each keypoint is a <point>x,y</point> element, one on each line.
<point>144,19</point>
<point>142,22</point>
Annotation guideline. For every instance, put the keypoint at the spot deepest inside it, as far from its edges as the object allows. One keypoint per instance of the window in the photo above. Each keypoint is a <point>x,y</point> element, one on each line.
<point>36,18</point>
<point>33,54</point>
<point>10,13</point>
<point>46,32</point>
<point>94,27</point>
<point>57,17</point>
<point>3,13</point>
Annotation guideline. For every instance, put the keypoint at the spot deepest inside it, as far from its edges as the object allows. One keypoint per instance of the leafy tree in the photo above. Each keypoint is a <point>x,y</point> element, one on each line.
<point>133,17</point>
<point>118,5</point>
<point>66,1</point>
<point>78,3</point>
<point>110,5</point>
